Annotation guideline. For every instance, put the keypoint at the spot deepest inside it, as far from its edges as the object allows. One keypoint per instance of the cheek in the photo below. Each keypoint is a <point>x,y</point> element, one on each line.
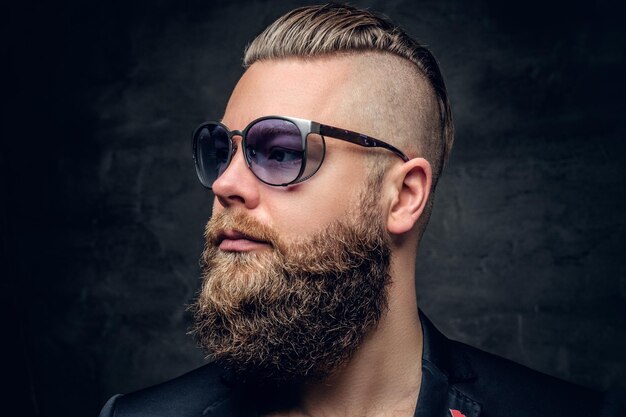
<point>330,195</point>
<point>300,214</point>
<point>306,217</point>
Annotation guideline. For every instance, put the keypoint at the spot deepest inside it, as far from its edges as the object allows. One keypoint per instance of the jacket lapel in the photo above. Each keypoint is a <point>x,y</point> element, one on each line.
<point>443,369</point>
<point>234,403</point>
<point>231,406</point>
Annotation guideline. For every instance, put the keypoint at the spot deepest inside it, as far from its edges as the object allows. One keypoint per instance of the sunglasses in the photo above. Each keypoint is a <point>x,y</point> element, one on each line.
<point>278,150</point>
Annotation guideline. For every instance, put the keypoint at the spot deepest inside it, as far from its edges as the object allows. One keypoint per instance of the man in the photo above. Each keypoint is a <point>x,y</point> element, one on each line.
<point>324,168</point>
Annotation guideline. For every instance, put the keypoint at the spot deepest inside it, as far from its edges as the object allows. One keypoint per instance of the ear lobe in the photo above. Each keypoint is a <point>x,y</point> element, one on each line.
<point>412,188</point>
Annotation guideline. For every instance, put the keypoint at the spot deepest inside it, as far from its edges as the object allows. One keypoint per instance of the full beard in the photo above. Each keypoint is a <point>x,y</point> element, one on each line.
<point>299,310</point>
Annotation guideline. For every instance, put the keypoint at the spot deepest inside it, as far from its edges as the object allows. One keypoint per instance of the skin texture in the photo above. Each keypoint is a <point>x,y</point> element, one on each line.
<point>383,376</point>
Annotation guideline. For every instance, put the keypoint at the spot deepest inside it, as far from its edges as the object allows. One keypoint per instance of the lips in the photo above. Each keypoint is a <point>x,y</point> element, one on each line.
<point>236,241</point>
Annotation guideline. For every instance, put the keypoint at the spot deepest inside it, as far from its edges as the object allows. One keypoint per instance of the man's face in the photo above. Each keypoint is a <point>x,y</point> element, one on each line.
<point>294,277</point>
<point>316,90</point>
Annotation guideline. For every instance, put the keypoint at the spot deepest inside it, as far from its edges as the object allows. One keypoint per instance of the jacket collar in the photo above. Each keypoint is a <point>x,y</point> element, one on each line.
<point>444,369</point>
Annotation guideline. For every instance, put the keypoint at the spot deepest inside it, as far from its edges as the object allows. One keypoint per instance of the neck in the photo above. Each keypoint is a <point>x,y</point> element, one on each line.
<point>383,377</point>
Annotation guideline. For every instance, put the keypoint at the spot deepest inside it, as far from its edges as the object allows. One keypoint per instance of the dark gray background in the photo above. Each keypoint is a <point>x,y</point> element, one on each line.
<point>102,216</point>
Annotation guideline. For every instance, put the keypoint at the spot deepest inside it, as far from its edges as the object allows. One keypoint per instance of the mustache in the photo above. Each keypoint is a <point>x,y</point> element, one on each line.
<point>239,222</point>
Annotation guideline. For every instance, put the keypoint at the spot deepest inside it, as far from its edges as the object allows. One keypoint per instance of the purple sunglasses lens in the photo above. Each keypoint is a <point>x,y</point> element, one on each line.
<point>275,151</point>
<point>212,153</point>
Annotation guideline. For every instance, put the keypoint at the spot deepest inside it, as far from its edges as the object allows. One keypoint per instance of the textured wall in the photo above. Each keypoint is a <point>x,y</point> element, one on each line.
<point>103,216</point>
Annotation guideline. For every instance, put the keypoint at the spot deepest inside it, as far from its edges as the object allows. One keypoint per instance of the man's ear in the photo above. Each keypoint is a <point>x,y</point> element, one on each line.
<point>410,185</point>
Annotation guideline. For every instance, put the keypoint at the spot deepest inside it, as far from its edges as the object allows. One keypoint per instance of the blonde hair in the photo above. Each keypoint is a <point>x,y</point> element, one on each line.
<point>314,31</point>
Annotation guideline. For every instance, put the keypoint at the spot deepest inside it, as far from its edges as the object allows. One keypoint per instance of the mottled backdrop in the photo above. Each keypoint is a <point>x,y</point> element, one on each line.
<point>102,216</point>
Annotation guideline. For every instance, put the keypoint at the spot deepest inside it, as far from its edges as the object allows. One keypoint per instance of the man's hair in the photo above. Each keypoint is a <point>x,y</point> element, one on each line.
<point>322,30</point>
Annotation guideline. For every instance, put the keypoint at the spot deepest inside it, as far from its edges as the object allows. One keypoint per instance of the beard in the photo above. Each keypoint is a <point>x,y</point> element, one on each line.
<point>299,310</point>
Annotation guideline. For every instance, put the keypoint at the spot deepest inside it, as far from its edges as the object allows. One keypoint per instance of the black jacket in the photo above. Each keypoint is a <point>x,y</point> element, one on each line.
<point>457,380</point>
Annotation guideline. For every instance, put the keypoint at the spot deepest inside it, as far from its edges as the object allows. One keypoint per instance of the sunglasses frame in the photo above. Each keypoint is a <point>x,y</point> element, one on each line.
<point>306,127</point>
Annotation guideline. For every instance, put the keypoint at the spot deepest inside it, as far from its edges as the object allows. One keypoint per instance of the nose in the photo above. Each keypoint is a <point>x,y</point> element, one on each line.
<point>237,186</point>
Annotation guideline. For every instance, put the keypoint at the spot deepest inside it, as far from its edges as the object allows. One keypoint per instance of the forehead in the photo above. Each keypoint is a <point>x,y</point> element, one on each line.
<point>310,89</point>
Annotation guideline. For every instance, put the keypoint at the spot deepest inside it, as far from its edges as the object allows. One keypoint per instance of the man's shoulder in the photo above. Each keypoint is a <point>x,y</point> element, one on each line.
<point>504,387</point>
<point>191,394</point>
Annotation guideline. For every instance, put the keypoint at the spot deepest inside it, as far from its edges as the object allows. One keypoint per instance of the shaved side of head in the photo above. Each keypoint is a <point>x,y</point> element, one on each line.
<point>390,96</point>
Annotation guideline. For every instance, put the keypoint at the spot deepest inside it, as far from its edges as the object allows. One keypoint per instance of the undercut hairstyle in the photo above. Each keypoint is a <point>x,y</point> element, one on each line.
<point>323,30</point>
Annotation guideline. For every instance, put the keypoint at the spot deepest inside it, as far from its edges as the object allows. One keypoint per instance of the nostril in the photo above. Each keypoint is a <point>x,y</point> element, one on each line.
<point>229,200</point>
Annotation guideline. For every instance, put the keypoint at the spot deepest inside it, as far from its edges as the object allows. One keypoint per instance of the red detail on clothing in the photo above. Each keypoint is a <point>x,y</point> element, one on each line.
<point>456,413</point>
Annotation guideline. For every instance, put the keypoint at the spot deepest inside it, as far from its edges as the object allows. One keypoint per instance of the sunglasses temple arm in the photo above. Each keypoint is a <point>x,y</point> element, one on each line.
<point>358,139</point>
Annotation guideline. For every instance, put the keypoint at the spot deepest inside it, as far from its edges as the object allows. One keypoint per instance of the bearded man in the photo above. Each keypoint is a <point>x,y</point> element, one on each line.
<point>324,168</point>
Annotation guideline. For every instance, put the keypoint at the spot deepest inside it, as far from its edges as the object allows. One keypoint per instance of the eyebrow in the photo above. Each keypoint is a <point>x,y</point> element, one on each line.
<point>285,129</point>
<point>266,129</point>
